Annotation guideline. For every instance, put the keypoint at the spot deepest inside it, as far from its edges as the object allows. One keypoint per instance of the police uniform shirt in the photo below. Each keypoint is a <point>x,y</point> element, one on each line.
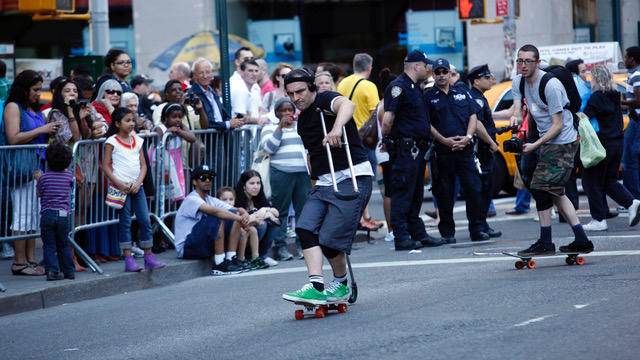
<point>450,112</point>
<point>485,115</point>
<point>404,98</point>
<point>310,130</point>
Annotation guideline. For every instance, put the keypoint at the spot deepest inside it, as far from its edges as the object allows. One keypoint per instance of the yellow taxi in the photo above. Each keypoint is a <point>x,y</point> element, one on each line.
<point>500,98</point>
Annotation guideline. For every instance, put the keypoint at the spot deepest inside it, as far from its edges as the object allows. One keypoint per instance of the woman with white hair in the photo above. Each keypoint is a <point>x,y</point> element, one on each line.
<point>108,98</point>
<point>324,82</point>
<point>601,180</point>
<point>130,101</point>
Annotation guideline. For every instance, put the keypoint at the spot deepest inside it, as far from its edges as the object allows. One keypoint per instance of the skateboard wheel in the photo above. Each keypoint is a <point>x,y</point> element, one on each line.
<point>342,308</point>
<point>319,313</point>
<point>325,308</point>
<point>569,261</point>
<point>299,314</point>
<point>580,260</point>
<point>531,264</point>
<point>519,265</point>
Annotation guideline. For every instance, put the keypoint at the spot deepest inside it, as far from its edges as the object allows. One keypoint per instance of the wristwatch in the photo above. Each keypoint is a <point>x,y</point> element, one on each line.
<point>470,138</point>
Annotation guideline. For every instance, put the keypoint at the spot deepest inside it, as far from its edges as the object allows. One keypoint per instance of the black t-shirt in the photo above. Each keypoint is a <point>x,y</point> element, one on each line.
<point>605,107</point>
<point>310,130</point>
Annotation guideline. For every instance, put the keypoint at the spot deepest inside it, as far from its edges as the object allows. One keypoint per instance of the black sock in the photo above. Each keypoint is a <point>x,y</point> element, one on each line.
<point>317,281</point>
<point>580,235</point>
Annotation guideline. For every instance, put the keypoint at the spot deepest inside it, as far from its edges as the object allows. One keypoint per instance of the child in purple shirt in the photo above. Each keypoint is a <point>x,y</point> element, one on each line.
<point>53,188</point>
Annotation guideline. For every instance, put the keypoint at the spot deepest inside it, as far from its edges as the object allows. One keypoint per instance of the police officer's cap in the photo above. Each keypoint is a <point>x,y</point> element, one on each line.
<point>441,63</point>
<point>478,72</point>
<point>417,56</point>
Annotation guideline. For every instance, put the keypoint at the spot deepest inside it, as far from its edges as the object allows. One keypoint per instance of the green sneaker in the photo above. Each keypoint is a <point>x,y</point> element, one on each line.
<point>308,294</point>
<point>258,263</point>
<point>337,292</point>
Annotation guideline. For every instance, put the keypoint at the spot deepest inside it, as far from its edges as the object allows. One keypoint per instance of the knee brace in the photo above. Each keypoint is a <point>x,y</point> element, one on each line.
<point>328,252</point>
<point>307,238</point>
<point>542,198</point>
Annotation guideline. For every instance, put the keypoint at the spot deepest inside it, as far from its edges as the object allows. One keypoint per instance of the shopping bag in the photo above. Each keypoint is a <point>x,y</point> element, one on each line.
<point>261,163</point>
<point>591,150</point>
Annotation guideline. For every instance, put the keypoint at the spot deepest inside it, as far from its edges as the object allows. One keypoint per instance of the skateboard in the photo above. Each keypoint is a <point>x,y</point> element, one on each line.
<point>527,261</point>
<point>319,311</point>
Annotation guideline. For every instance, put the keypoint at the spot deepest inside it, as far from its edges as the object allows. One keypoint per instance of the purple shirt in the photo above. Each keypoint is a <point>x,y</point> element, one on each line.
<point>54,187</point>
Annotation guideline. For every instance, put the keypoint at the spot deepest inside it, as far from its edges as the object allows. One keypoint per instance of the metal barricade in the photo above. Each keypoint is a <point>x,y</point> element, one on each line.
<point>19,203</point>
<point>225,152</point>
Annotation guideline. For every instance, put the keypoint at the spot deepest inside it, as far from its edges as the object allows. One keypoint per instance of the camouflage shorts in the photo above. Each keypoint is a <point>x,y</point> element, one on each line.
<point>554,167</point>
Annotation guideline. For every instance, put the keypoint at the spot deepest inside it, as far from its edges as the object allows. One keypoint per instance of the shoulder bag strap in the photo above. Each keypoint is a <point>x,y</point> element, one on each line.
<point>354,88</point>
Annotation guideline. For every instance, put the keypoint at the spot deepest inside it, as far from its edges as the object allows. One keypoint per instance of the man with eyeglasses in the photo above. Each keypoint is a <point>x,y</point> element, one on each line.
<point>406,130</point>
<point>558,144</point>
<point>453,119</point>
<point>204,222</point>
<point>480,79</point>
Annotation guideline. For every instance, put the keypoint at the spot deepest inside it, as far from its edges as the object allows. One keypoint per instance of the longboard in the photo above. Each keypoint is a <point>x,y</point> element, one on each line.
<point>527,261</point>
<point>319,311</point>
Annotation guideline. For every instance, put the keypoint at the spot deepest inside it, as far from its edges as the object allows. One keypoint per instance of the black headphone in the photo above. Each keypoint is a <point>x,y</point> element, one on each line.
<point>311,84</point>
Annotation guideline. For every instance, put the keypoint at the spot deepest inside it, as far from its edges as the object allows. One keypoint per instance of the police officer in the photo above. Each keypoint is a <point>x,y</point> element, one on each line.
<point>480,79</point>
<point>453,115</point>
<point>406,129</point>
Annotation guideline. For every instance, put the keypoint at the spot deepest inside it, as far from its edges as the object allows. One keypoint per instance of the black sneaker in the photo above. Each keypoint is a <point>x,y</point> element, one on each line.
<point>225,268</point>
<point>539,248</point>
<point>430,241</point>
<point>578,247</point>
<point>240,264</point>
<point>407,244</point>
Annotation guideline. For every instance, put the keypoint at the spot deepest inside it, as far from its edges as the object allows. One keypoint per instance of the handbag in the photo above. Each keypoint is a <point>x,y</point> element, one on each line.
<point>591,150</point>
<point>18,166</point>
<point>115,197</point>
<point>261,164</point>
<point>368,132</point>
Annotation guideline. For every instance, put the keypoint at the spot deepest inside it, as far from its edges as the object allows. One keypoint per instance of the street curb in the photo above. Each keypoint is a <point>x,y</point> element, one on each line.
<point>69,291</point>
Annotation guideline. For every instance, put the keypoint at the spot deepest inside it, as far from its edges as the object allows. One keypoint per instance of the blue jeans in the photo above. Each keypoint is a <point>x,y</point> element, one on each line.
<point>523,201</point>
<point>54,226</point>
<point>136,203</point>
<point>266,234</point>
<point>630,158</point>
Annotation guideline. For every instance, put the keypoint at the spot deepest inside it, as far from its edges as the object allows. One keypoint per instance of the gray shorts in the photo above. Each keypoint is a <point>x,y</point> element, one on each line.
<point>335,221</point>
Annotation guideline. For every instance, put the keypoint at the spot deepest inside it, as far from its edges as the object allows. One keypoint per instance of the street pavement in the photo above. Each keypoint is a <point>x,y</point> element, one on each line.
<point>455,301</point>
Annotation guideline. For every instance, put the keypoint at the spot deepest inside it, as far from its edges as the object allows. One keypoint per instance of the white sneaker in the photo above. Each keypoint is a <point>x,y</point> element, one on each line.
<point>291,232</point>
<point>269,261</point>
<point>389,237</point>
<point>634,213</point>
<point>136,251</point>
<point>596,225</point>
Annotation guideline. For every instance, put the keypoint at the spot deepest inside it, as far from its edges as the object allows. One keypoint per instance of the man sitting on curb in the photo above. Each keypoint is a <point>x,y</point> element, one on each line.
<point>200,229</point>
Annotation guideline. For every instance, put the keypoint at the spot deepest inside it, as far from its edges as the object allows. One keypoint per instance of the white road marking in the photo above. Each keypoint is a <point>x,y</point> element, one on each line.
<point>474,259</point>
<point>524,323</point>
<point>581,306</point>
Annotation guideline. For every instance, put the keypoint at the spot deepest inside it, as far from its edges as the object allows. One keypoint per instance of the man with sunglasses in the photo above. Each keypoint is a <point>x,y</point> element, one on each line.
<point>204,222</point>
<point>558,144</point>
<point>406,129</point>
<point>453,119</point>
<point>480,79</point>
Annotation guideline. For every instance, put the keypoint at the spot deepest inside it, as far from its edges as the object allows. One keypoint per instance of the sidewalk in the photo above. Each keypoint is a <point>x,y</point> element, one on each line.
<point>27,293</point>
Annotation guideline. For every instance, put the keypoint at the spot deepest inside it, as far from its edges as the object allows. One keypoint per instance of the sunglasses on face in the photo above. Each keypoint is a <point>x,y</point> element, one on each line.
<point>205,178</point>
<point>114,92</point>
<point>441,72</point>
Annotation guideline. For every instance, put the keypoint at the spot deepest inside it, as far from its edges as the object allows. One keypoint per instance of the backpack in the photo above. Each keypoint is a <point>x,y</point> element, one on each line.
<point>566,79</point>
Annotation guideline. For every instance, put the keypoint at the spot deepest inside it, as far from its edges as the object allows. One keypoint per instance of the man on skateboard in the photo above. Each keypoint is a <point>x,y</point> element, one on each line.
<point>327,224</point>
<point>558,143</point>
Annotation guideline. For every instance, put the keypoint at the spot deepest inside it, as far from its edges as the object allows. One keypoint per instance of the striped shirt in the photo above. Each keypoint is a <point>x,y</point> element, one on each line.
<point>633,81</point>
<point>286,148</point>
<point>53,187</point>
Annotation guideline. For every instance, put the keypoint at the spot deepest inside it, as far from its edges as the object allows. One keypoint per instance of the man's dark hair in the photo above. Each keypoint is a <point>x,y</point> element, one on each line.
<point>573,65</point>
<point>634,52</point>
<point>81,69</point>
<point>3,69</point>
<point>84,83</point>
<point>531,48</point>
<point>58,156</point>
<point>243,66</point>
<point>237,54</point>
